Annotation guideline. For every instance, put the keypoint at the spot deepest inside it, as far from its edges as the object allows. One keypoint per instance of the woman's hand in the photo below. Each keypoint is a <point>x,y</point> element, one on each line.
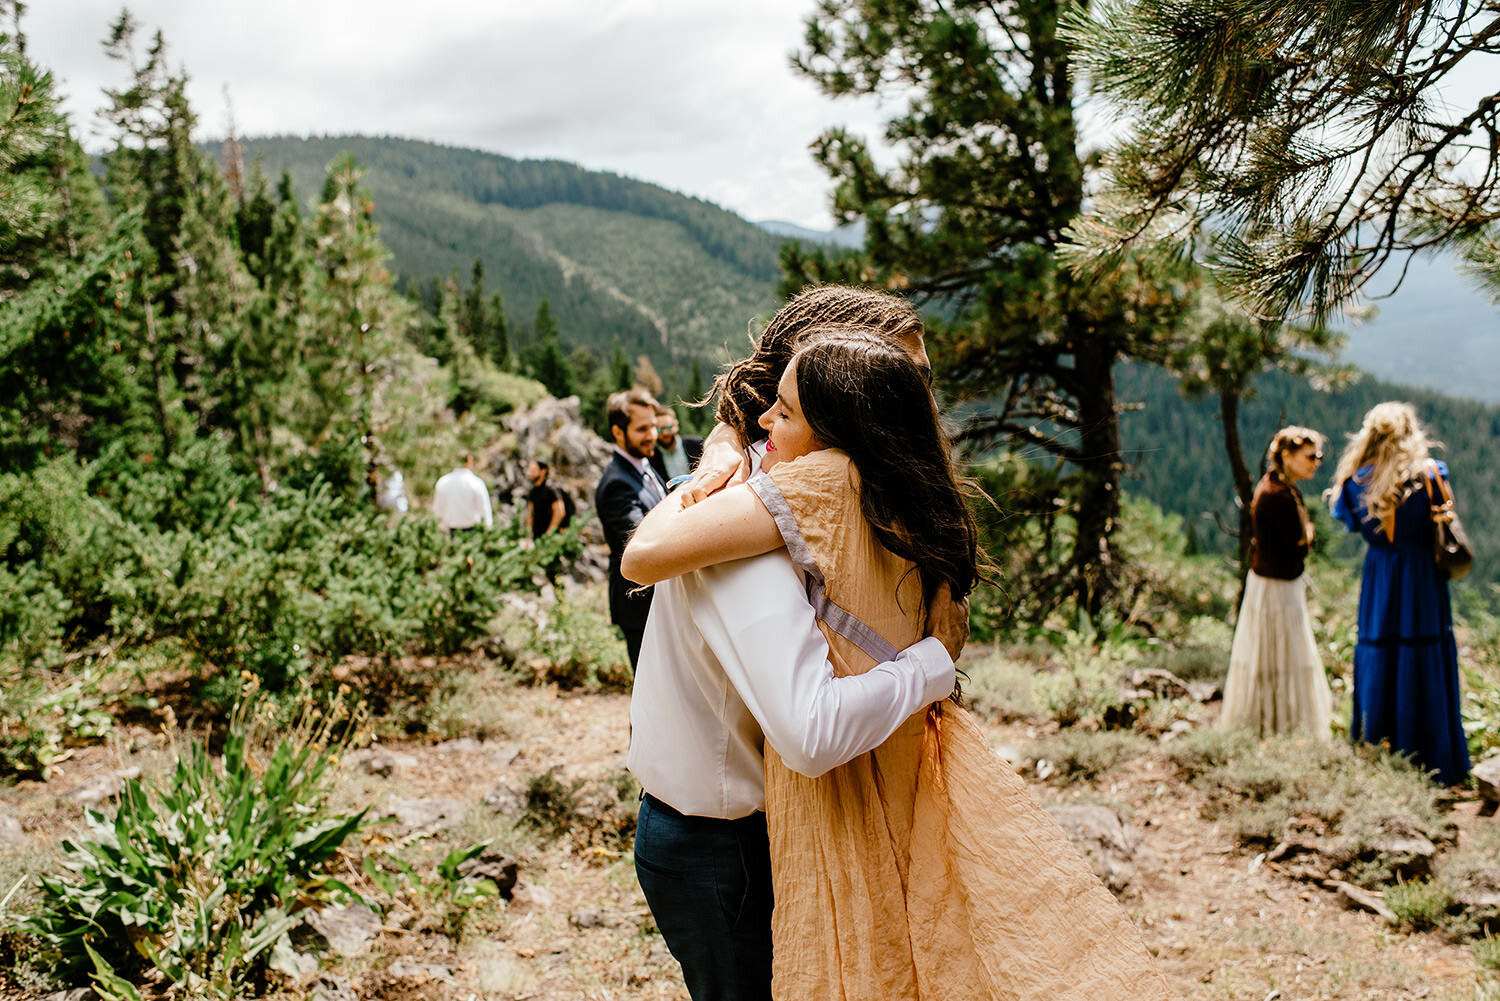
<point>722,460</point>
<point>948,620</point>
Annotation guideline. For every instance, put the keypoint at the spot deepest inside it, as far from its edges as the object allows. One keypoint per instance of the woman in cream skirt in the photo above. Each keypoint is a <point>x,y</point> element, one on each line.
<point>1276,682</point>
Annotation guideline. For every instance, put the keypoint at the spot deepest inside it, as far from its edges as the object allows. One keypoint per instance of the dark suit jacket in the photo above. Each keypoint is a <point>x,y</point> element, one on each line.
<point>621,499</point>
<point>692,447</point>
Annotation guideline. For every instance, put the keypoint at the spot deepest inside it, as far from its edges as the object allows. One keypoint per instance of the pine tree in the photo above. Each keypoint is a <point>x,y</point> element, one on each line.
<point>549,363</point>
<point>68,278</point>
<point>969,220</point>
<point>1297,147</point>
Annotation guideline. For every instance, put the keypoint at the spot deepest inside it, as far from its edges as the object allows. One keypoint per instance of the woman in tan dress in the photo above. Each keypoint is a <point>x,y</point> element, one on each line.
<point>922,869</point>
<point>1276,682</point>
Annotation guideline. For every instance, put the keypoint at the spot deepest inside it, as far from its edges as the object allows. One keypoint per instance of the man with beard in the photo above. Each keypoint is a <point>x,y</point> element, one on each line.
<point>627,490</point>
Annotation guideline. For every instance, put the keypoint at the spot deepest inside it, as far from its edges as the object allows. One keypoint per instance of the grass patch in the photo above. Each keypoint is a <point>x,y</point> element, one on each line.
<point>1487,953</point>
<point>1420,905</point>
<point>1080,755</point>
<point>999,687</point>
<point>1350,796</point>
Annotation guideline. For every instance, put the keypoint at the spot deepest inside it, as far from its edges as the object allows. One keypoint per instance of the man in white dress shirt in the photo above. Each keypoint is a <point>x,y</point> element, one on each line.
<point>461,500</point>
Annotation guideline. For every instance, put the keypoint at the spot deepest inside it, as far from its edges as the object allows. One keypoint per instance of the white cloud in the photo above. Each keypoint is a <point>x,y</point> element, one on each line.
<point>695,96</point>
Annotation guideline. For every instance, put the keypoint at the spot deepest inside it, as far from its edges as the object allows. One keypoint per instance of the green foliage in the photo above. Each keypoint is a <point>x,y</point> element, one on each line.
<point>1075,755</point>
<point>266,584</point>
<point>1419,905</point>
<point>551,804</point>
<point>446,901</point>
<point>571,643</point>
<point>1487,953</point>
<point>199,877</point>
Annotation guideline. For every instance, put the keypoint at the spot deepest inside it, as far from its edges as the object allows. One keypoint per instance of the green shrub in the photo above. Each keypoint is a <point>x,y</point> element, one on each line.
<point>551,804</point>
<point>199,877</point>
<point>1419,905</point>
<point>570,643</point>
<point>1487,953</point>
<point>1079,755</point>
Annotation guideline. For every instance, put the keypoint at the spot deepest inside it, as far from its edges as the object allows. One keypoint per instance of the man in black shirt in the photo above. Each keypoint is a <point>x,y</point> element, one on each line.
<point>545,509</point>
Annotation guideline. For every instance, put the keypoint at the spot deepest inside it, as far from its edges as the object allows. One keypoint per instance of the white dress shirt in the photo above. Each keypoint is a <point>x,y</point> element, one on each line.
<point>733,658</point>
<point>461,500</point>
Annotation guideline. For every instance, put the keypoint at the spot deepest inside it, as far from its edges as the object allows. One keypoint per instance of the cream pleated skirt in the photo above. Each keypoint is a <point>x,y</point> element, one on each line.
<point>1276,682</point>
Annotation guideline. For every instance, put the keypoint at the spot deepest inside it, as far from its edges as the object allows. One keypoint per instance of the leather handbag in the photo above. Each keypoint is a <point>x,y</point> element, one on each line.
<point>1450,543</point>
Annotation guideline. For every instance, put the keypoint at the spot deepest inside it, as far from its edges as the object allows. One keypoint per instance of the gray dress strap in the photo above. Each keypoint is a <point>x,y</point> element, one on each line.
<point>839,619</point>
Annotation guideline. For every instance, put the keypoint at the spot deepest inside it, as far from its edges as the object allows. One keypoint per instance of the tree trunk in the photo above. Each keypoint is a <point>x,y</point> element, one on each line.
<point>1244,490</point>
<point>1099,467</point>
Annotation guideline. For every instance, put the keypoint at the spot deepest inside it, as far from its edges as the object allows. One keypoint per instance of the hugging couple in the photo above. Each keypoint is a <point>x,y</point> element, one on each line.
<point>794,723</point>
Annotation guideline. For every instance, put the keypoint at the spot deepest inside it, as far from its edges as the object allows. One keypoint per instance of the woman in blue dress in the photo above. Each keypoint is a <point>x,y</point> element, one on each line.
<point>1406,662</point>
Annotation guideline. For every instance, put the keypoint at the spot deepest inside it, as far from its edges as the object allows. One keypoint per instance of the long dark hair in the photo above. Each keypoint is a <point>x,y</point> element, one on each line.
<point>862,394</point>
<point>747,388</point>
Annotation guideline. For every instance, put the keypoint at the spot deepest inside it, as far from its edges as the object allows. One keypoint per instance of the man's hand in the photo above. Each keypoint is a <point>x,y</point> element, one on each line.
<point>948,620</point>
<point>720,462</point>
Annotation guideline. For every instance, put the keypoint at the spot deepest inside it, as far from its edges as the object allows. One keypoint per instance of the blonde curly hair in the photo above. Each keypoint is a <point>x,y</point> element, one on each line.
<point>1394,444</point>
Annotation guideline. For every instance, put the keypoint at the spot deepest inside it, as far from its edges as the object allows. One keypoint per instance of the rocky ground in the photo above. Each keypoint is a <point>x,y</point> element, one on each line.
<point>1224,923</point>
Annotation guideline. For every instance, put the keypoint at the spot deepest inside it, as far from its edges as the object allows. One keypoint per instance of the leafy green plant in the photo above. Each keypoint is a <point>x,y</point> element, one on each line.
<point>571,644</point>
<point>1079,755</point>
<point>449,897</point>
<point>551,803</point>
<point>199,877</point>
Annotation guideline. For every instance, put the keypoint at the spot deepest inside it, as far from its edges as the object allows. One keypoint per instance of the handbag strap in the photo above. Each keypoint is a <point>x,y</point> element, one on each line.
<point>1439,494</point>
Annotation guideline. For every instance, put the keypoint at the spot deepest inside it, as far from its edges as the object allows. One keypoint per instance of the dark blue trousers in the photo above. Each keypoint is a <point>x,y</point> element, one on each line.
<point>708,883</point>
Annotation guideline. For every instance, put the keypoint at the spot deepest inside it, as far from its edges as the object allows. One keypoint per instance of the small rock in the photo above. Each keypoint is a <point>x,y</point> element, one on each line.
<point>1205,691</point>
<point>603,919</point>
<point>76,994</point>
<point>1487,778</point>
<point>331,987</point>
<point>10,830</point>
<point>1358,899</point>
<point>380,761</point>
<point>496,866</point>
<point>418,817</point>
<point>95,790</point>
<point>1177,729</point>
<point>459,745</point>
<point>536,896</point>
<point>349,930</point>
<point>1402,846</point>
<point>404,969</point>
<point>1478,896</point>
<point>506,799</point>
<point>1162,684</point>
<point>1109,844</point>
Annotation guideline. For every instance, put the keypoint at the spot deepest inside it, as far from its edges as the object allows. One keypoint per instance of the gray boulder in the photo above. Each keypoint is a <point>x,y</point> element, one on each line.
<point>1110,845</point>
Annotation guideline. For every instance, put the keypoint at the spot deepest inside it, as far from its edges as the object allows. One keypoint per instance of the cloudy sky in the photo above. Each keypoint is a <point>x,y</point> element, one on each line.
<point>692,94</point>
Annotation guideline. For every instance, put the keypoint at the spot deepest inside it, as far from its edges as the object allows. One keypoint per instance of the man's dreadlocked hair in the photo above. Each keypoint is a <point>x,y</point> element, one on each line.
<point>746,389</point>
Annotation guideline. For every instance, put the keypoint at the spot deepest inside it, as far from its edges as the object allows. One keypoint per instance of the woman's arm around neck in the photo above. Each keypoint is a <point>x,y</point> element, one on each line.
<point>672,540</point>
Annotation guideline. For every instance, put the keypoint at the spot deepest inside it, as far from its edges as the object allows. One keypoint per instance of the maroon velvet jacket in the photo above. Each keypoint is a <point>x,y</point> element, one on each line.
<point>1279,546</point>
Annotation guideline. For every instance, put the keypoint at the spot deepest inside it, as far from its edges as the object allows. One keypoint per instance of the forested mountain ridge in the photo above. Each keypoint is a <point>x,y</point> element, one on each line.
<point>670,276</point>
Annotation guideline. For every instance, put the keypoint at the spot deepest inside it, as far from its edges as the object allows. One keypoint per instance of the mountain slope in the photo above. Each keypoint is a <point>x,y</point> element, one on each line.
<point>668,275</point>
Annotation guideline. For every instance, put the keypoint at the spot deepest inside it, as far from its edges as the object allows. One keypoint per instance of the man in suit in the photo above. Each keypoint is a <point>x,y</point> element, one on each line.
<point>675,454</point>
<point>627,490</point>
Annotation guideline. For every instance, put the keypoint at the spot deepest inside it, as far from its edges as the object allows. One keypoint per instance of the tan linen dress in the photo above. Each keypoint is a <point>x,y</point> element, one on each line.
<point>923,869</point>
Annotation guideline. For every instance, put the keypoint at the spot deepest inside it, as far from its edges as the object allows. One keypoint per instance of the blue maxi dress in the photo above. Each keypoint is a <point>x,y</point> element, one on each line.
<point>1406,662</point>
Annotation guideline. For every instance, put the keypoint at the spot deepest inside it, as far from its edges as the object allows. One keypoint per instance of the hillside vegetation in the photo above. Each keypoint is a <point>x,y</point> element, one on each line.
<point>668,275</point>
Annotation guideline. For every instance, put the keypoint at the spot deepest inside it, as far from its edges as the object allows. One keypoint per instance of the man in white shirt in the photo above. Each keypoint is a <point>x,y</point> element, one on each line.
<point>461,500</point>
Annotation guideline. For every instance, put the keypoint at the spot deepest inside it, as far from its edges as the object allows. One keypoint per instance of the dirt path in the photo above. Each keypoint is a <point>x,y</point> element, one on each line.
<point>1222,926</point>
